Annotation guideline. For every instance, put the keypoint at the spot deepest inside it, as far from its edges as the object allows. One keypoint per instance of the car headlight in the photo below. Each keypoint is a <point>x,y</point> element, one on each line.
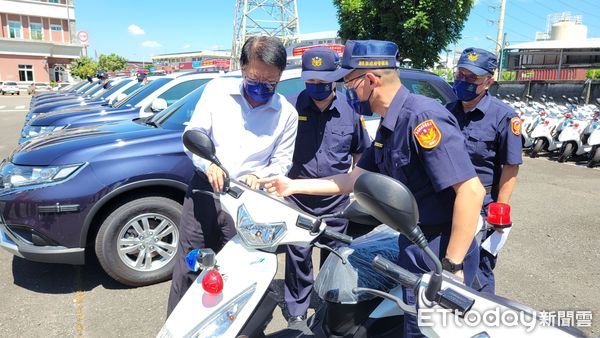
<point>13,175</point>
<point>33,131</point>
<point>258,235</point>
<point>218,323</point>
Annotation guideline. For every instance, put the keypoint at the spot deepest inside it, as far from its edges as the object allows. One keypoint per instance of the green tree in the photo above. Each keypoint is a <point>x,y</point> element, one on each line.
<point>592,74</point>
<point>83,66</point>
<point>421,28</point>
<point>111,62</point>
<point>148,66</point>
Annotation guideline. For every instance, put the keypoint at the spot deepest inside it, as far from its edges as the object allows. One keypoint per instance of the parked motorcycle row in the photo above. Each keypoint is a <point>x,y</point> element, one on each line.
<point>570,130</point>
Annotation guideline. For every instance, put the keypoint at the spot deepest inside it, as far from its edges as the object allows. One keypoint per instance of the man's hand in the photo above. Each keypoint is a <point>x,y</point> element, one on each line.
<point>251,181</point>
<point>279,185</point>
<point>215,177</point>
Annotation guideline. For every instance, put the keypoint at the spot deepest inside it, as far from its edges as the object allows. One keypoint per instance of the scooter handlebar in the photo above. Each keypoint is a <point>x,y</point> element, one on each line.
<point>337,236</point>
<point>398,274</point>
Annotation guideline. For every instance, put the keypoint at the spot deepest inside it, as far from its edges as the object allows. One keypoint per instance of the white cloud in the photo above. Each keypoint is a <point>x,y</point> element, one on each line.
<point>135,30</point>
<point>151,44</point>
<point>188,46</point>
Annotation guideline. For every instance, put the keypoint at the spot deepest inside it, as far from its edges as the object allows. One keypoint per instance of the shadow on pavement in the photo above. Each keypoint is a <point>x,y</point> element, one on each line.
<point>61,278</point>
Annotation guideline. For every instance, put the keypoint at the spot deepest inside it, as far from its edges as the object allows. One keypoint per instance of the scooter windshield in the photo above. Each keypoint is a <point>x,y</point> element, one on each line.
<point>335,280</point>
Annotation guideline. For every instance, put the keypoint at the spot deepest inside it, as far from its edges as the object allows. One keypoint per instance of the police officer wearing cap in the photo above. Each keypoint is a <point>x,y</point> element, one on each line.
<point>102,75</point>
<point>492,130</point>
<point>142,78</point>
<point>330,138</point>
<point>419,144</point>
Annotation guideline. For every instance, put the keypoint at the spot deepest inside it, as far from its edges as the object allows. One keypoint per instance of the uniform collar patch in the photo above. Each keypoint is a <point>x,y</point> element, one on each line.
<point>302,118</point>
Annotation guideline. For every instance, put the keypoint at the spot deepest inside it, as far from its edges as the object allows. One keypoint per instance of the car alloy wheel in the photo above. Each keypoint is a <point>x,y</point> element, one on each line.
<point>148,242</point>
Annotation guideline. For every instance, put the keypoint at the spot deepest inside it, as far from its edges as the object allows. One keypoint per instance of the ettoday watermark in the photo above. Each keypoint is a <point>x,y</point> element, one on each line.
<point>505,318</point>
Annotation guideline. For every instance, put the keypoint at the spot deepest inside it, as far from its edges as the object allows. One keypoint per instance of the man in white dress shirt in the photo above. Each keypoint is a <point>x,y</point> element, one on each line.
<point>254,131</point>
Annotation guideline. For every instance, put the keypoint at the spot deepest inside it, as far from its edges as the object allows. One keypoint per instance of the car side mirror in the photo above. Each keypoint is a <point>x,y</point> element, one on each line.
<point>390,202</point>
<point>158,105</point>
<point>355,212</point>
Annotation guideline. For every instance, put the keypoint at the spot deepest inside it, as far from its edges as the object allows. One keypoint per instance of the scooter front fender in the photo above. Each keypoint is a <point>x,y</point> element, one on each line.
<point>569,134</point>
<point>242,269</point>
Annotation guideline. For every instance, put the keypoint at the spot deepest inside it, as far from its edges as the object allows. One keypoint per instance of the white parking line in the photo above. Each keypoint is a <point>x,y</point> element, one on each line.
<point>19,107</point>
<point>2,107</point>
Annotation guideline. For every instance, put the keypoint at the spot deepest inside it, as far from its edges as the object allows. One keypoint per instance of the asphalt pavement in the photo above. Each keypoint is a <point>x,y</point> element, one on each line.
<point>551,261</point>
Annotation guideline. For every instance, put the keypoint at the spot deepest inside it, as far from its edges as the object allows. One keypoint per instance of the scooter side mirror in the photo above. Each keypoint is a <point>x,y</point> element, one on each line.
<point>355,212</point>
<point>390,202</point>
<point>201,145</point>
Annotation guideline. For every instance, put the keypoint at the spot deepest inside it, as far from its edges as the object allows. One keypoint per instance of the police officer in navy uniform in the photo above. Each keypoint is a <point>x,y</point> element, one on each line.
<point>102,75</point>
<point>142,78</point>
<point>418,143</point>
<point>330,139</point>
<point>492,130</point>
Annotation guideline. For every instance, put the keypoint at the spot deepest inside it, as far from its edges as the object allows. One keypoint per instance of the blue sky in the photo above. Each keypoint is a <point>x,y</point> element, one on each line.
<point>138,29</point>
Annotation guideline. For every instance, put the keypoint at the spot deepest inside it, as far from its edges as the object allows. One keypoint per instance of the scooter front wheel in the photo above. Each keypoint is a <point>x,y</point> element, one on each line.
<point>566,152</point>
<point>594,157</point>
<point>537,147</point>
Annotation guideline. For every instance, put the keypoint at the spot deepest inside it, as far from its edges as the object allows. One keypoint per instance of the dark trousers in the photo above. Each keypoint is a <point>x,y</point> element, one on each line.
<point>203,225</point>
<point>484,280</point>
<point>416,261</point>
<point>299,270</point>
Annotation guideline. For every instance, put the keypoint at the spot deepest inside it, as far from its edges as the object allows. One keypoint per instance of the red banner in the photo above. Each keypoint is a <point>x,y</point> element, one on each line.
<point>300,50</point>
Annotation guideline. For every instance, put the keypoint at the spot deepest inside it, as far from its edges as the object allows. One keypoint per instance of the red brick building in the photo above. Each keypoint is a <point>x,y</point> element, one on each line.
<point>37,40</point>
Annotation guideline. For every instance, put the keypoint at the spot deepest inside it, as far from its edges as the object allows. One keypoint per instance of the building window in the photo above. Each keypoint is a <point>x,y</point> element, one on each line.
<point>56,28</point>
<point>14,29</point>
<point>36,31</point>
<point>54,1</point>
<point>25,73</point>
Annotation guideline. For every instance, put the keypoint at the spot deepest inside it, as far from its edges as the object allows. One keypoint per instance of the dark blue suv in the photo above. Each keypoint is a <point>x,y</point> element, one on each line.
<point>116,189</point>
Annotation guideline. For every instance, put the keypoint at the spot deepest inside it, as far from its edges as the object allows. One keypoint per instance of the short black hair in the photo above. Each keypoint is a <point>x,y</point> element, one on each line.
<point>266,49</point>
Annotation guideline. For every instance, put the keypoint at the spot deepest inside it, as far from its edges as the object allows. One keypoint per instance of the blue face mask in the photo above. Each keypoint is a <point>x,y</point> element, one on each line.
<point>464,90</point>
<point>319,91</point>
<point>260,92</point>
<point>360,107</point>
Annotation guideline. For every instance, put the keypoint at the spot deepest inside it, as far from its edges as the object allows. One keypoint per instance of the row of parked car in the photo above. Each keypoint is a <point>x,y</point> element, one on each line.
<point>103,170</point>
<point>12,87</point>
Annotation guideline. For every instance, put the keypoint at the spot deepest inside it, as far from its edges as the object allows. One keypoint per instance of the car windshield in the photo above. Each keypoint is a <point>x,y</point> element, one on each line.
<point>40,85</point>
<point>10,83</point>
<point>94,91</point>
<point>140,94</point>
<point>86,87</point>
<point>104,94</point>
<point>133,88</point>
<point>179,114</point>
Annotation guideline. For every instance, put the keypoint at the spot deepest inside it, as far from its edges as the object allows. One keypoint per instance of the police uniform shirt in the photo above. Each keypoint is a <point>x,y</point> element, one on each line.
<point>492,132</point>
<point>324,146</point>
<point>419,144</point>
<point>247,140</point>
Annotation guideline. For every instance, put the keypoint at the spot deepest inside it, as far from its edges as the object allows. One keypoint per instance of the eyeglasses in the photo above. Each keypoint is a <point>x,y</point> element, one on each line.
<point>270,85</point>
<point>346,83</point>
<point>470,78</point>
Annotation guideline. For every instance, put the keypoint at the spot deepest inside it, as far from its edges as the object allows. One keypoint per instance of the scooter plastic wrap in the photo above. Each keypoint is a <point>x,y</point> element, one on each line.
<point>336,280</point>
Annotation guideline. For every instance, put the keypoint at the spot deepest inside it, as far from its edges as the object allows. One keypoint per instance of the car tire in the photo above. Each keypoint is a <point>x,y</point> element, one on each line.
<point>130,240</point>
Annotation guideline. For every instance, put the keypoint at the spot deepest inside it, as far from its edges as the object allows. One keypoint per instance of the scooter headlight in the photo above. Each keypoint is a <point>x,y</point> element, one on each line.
<point>218,323</point>
<point>258,235</point>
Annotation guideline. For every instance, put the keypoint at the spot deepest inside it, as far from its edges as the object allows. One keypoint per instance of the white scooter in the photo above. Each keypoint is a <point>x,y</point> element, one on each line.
<point>546,132</point>
<point>444,306</point>
<point>571,137</point>
<point>593,141</point>
<point>231,296</point>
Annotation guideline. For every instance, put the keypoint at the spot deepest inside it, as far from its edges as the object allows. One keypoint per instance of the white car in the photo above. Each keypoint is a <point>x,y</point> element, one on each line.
<point>10,87</point>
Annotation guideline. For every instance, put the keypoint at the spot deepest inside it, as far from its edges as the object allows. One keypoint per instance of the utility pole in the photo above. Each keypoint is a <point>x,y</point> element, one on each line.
<point>500,26</point>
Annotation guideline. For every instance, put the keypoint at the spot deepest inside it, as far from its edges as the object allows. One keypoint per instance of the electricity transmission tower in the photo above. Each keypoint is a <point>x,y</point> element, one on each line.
<point>277,18</point>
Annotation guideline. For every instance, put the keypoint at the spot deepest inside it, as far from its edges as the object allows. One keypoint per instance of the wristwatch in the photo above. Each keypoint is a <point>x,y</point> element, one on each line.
<point>449,265</point>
